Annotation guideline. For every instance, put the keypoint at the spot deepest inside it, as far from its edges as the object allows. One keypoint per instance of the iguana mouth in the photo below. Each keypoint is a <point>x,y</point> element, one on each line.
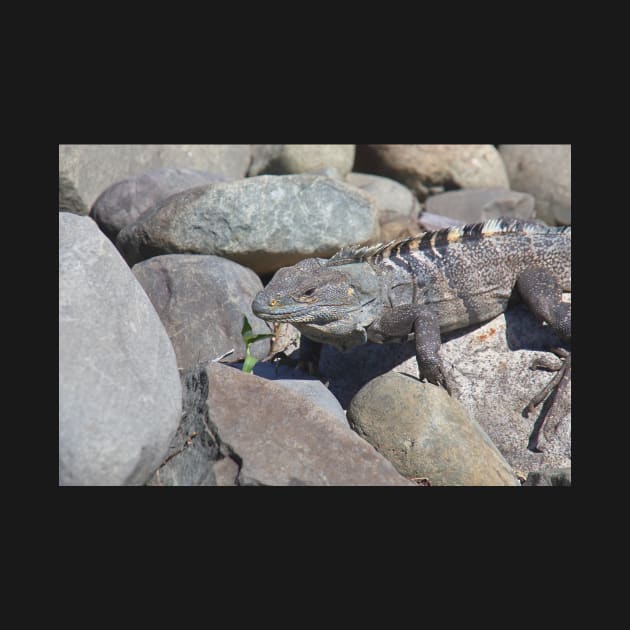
<point>302,313</point>
<point>299,313</point>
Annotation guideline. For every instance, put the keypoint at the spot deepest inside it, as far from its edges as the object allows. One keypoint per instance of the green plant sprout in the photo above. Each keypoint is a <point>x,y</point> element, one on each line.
<point>249,338</point>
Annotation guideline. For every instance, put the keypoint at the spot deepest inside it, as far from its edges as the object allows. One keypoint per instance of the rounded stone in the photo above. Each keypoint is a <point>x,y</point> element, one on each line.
<point>120,396</point>
<point>544,171</point>
<point>426,433</point>
<point>426,167</point>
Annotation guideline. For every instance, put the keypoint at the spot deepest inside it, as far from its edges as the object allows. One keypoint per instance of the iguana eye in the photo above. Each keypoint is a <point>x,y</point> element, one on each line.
<point>309,292</point>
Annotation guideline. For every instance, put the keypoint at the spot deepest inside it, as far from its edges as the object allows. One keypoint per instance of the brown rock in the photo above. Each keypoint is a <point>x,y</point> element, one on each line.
<point>281,438</point>
<point>424,167</point>
<point>427,434</point>
<point>201,301</point>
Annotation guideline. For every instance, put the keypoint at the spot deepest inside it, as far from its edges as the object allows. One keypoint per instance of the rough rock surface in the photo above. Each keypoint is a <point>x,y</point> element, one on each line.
<point>391,197</point>
<point>283,159</point>
<point>94,167</point>
<point>482,204</point>
<point>544,171</point>
<point>427,434</point>
<point>193,452</point>
<point>492,378</point>
<point>302,383</point>
<point>426,168</point>
<point>279,438</point>
<point>264,222</point>
<point>120,396</point>
<point>123,202</point>
<point>201,301</point>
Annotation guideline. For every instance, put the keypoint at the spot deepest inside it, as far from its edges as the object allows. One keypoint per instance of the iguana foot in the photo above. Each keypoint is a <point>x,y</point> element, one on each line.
<point>558,382</point>
<point>548,395</point>
<point>433,373</point>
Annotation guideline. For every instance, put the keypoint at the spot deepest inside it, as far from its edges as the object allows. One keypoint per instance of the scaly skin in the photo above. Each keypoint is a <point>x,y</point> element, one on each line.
<point>425,285</point>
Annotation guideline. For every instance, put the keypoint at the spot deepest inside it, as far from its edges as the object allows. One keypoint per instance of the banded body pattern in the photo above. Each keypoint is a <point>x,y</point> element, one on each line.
<point>434,242</point>
<point>467,272</point>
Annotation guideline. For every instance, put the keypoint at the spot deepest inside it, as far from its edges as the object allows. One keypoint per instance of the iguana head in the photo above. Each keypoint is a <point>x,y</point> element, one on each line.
<point>332,304</point>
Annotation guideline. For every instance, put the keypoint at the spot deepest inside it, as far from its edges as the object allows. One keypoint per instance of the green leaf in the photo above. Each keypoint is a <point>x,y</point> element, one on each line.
<point>246,331</point>
<point>249,338</point>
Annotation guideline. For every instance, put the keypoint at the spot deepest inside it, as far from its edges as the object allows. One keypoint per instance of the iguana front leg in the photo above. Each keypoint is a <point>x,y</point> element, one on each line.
<point>542,293</point>
<point>399,321</point>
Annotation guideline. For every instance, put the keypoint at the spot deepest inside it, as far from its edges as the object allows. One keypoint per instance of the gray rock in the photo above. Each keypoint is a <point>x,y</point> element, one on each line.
<point>303,384</point>
<point>427,434</point>
<point>549,477</point>
<point>430,222</point>
<point>120,397</point>
<point>544,171</point>
<point>94,167</point>
<point>425,167</point>
<point>69,198</point>
<point>123,202</point>
<point>392,198</point>
<point>281,439</point>
<point>264,222</point>
<point>283,159</point>
<point>482,204</point>
<point>490,368</point>
<point>201,301</point>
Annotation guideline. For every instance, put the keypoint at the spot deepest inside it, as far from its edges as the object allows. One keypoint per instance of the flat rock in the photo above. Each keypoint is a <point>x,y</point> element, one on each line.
<point>426,167</point>
<point>482,204</point>
<point>301,383</point>
<point>201,301</point>
<point>489,365</point>
<point>284,159</point>
<point>264,222</point>
<point>280,438</point>
<point>427,434</point>
<point>123,202</point>
<point>120,396</point>
<point>94,167</point>
<point>544,171</point>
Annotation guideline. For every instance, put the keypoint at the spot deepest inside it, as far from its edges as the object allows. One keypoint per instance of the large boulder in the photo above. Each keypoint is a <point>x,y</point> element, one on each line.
<point>427,434</point>
<point>427,168</point>
<point>284,159</point>
<point>120,396</point>
<point>264,222</point>
<point>123,202</point>
<point>94,167</point>
<point>279,437</point>
<point>201,301</point>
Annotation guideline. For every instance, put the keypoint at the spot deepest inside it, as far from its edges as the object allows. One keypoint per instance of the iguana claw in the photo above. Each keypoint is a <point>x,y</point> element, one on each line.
<point>558,382</point>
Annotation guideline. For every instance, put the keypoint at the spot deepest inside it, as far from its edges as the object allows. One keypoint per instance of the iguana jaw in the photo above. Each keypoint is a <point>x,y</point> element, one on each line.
<point>301,313</point>
<point>283,313</point>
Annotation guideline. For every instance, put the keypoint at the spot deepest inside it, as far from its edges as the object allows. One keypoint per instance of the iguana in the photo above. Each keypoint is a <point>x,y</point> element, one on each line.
<point>429,284</point>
